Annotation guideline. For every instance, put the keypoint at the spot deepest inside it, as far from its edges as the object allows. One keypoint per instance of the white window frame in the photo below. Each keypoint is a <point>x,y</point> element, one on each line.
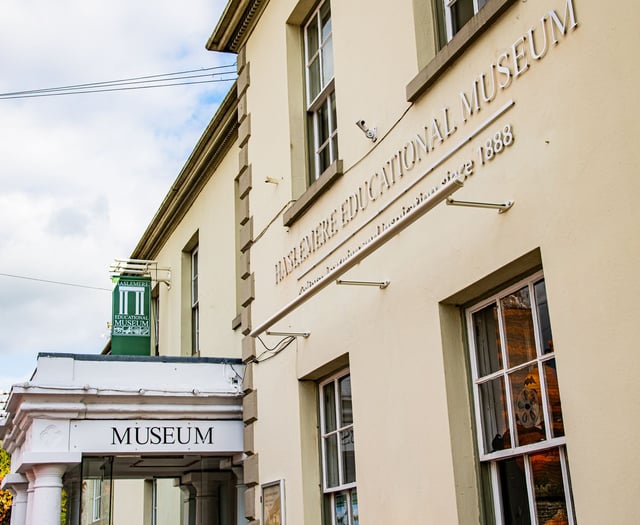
<point>448,14</point>
<point>154,502</point>
<point>96,501</point>
<point>342,488</point>
<point>323,99</point>
<point>195,303</point>
<point>523,451</point>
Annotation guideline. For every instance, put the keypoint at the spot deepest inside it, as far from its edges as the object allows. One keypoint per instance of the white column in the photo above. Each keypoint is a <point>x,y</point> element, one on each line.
<point>17,484</point>
<point>32,479</point>
<point>19,506</point>
<point>47,492</point>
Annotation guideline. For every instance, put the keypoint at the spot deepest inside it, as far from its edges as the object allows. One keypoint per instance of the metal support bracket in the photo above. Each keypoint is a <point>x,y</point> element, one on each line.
<point>290,334</point>
<point>379,284</point>
<point>501,207</point>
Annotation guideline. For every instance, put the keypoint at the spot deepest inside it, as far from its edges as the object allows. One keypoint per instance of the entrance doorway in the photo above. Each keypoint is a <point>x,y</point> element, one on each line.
<point>154,490</point>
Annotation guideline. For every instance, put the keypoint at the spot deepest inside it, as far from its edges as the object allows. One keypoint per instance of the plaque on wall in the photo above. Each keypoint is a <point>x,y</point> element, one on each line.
<point>273,503</point>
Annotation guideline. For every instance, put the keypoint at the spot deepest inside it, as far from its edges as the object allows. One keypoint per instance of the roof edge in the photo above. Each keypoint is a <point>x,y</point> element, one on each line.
<point>235,25</point>
<point>200,166</point>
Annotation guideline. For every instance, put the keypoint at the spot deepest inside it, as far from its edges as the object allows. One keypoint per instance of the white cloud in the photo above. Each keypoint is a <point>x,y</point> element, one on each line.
<point>82,175</point>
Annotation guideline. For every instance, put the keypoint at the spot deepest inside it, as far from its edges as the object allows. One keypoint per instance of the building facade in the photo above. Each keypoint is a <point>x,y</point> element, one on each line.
<point>414,224</point>
<point>441,234</point>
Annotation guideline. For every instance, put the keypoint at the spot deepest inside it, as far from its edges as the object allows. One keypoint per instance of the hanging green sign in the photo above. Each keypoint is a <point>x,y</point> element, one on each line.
<point>131,316</point>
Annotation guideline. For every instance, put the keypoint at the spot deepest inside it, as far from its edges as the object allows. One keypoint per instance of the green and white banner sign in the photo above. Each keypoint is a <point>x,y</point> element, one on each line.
<point>131,316</point>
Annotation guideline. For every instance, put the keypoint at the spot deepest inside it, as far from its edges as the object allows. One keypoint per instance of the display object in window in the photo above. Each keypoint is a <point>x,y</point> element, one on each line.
<point>517,405</point>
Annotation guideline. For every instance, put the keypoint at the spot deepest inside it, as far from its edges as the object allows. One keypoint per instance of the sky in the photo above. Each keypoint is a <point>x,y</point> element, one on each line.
<point>82,175</point>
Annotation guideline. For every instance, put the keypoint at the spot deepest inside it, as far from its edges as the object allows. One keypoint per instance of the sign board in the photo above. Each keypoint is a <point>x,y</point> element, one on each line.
<point>131,316</point>
<point>179,436</point>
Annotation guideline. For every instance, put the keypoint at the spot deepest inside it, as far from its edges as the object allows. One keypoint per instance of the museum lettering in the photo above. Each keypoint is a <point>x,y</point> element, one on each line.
<point>161,435</point>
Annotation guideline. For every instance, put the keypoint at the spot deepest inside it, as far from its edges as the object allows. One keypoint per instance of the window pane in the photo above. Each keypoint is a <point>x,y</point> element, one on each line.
<point>495,419</point>
<point>461,13</point>
<point>334,116</point>
<point>348,456</point>
<point>311,154</point>
<point>341,508</point>
<point>327,62</point>
<point>314,78</point>
<point>355,517</point>
<point>195,331</point>
<point>325,20</point>
<point>346,411</point>
<point>518,327</point>
<point>323,123</point>
<point>548,485</point>
<point>487,340</point>
<point>513,491</point>
<point>324,158</point>
<point>312,37</point>
<point>334,149</point>
<point>527,405</point>
<point>329,399</point>
<point>331,458</point>
<point>543,317</point>
<point>553,393</point>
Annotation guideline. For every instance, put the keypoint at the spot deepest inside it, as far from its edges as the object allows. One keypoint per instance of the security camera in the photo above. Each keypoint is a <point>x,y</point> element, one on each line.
<point>370,133</point>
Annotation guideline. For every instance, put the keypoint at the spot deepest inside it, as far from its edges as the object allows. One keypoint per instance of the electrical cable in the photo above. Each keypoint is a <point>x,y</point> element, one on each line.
<point>54,282</point>
<point>280,346</point>
<point>75,86</point>
<point>220,74</point>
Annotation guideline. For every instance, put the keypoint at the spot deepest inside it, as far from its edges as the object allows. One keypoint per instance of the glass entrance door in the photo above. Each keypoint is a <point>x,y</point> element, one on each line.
<point>97,489</point>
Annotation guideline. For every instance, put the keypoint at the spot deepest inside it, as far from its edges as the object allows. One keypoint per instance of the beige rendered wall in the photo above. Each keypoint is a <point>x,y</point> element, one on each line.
<point>128,502</point>
<point>169,504</point>
<point>211,219</point>
<point>572,172</point>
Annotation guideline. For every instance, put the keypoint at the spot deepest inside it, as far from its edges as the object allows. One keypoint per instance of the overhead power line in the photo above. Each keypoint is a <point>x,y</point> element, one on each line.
<point>54,282</point>
<point>226,73</point>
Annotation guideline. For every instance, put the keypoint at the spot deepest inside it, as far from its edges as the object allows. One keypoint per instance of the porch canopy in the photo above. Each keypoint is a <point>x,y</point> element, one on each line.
<point>155,415</point>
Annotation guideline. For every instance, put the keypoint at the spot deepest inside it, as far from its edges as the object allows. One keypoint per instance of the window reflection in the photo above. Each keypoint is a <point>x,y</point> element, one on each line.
<point>553,393</point>
<point>487,335</point>
<point>546,339</point>
<point>548,485</point>
<point>527,405</point>
<point>518,327</point>
<point>513,484</point>
<point>495,419</point>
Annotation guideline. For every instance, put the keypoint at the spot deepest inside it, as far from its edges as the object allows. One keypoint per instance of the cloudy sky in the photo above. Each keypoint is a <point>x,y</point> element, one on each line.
<point>82,175</point>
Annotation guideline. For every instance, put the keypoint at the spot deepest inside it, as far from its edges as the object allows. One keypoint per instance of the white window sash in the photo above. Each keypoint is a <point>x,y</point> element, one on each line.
<point>448,18</point>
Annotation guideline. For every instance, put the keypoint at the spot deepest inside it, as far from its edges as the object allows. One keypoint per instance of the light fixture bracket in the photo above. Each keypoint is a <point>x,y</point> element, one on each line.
<point>379,284</point>
<point>501,207</point>
<point>289,334</point>
<point>141,267</point>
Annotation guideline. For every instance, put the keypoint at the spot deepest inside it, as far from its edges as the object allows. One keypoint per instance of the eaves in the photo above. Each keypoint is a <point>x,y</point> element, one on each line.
<point>235,25</point>
<point>208,153</point>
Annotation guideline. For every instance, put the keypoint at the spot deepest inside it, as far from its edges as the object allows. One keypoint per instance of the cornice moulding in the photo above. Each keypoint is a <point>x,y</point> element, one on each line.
<point>236,24</point>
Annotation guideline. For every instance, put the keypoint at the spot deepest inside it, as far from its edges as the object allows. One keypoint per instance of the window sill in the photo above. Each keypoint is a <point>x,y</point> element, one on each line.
<point>456,47</point>
<point>324,182</point>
